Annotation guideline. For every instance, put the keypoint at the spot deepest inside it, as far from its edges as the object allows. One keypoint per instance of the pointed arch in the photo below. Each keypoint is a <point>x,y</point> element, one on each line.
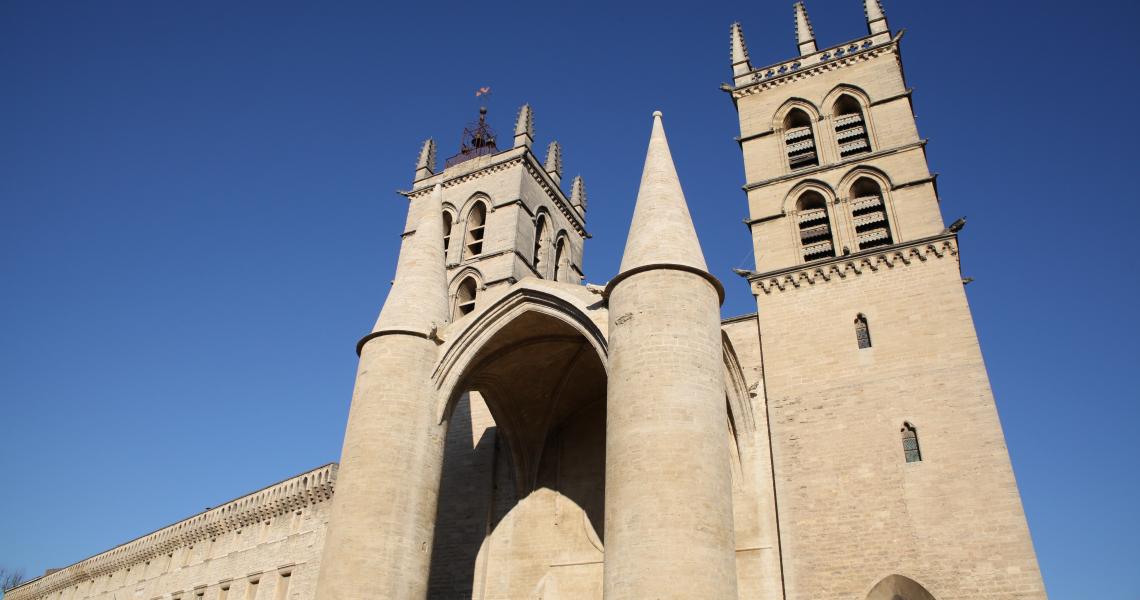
<point>448,225</point>
<point>812,217</point>
<point>869,213</point>
<point>562,259</point>
<point>474,224</point>
<point>899,587</point>
<point>540,258</point>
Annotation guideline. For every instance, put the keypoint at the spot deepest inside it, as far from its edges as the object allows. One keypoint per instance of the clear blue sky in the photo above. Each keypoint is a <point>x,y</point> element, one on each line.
<point>200,219</point>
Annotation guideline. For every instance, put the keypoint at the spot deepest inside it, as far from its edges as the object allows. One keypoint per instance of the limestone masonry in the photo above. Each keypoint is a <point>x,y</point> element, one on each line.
<point>517,434</point>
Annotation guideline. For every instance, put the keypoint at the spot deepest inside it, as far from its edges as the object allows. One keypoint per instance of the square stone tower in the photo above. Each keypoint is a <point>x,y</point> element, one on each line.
<point>506,216</point>
<point>891,471</point>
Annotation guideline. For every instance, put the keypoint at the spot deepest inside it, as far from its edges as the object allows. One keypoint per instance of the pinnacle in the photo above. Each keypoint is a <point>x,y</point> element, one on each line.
<point>553,164</point>
<point>662,231</point>
<point>425,164</point>
<point>739,48</point>
<point>578,193</point>
<point>876,18</point>
<point>805,35</point>
<point>418,298</point>
<point>524,126</point>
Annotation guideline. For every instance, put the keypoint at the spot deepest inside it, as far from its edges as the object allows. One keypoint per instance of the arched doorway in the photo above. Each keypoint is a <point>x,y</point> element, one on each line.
<point>523,486</point>
<point>897,587</point>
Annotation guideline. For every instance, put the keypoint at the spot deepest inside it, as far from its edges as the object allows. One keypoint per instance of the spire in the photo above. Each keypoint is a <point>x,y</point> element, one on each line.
<point>553,164</point>
<point>425,166</point>
<point>876,18</point>
<point>418,298</point>
<point>578,194</point>
<point>662,231</point>
<point>740,63</point>
<point>524,127</point>
<point>805,35</point>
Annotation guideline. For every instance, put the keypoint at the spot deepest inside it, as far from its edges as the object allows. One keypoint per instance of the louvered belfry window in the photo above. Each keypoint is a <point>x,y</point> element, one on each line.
<point>476,219</point>
<point>465,297</point>
<point>869,214</point>
<point>850,127</point>
<point>910,443</point>
<point>799,140</point>
<point>814,227</point>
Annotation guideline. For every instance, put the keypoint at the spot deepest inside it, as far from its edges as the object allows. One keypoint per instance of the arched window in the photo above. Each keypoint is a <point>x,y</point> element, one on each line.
<point>850,127</point>
<point>561,261</point>
<point>799,140</point>
<point>862,332</point>
<point>869,213</point>
<point>465,297</point>
<point>476,219</point>
<point>447,222</point>
<point>540,237</point>
<point>910,443</point>
<point>814,226</point>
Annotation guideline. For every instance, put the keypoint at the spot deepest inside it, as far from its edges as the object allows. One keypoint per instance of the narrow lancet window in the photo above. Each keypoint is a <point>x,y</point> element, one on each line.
<point>850,127</point>
<point>862,333</point>
<point>869,214</point>
<point>814,227</point>
<point>799,140</point>
<point>446,232</point>
<point>540,234</point>
<point>561,261</point>
<point>476,219</point>
<point>910,443</point>
<point>465,297</point>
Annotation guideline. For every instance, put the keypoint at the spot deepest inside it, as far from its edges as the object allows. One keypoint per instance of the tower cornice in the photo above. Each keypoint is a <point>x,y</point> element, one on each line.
<point>521,156</point>
<point>774,75</point>
<point>868,261</point>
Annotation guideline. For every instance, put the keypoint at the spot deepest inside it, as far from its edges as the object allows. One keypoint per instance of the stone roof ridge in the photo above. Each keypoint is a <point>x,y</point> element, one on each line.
<point>417,302</point>
<point>662,232</point>
<point>307,488</point>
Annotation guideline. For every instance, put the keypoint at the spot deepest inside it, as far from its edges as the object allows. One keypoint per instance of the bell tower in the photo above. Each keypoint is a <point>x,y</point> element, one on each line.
<point>891,470</point>
<point>505,214</point>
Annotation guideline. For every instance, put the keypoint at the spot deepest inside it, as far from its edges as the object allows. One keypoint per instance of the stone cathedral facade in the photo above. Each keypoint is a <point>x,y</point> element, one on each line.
<point>516,433</point>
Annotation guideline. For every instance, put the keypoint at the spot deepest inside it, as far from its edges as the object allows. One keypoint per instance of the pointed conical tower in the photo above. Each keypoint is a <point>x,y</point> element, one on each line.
<point>383,518</point>
<point>876,18</point>
<point>805,35</point>
<point>668,514</point>
<point>553,164</point>
<point>740,62</point>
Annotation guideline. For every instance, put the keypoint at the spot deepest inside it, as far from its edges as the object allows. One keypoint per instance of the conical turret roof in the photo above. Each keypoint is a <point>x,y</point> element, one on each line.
<point>418,298</point>
<point>662,231</point>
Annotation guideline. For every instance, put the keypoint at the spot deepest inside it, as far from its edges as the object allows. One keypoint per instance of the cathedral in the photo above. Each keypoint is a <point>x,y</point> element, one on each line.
<point>518,433</point>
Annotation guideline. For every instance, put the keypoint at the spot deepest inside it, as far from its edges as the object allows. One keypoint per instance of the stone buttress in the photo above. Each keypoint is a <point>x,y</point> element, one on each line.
<point>383,518</point>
